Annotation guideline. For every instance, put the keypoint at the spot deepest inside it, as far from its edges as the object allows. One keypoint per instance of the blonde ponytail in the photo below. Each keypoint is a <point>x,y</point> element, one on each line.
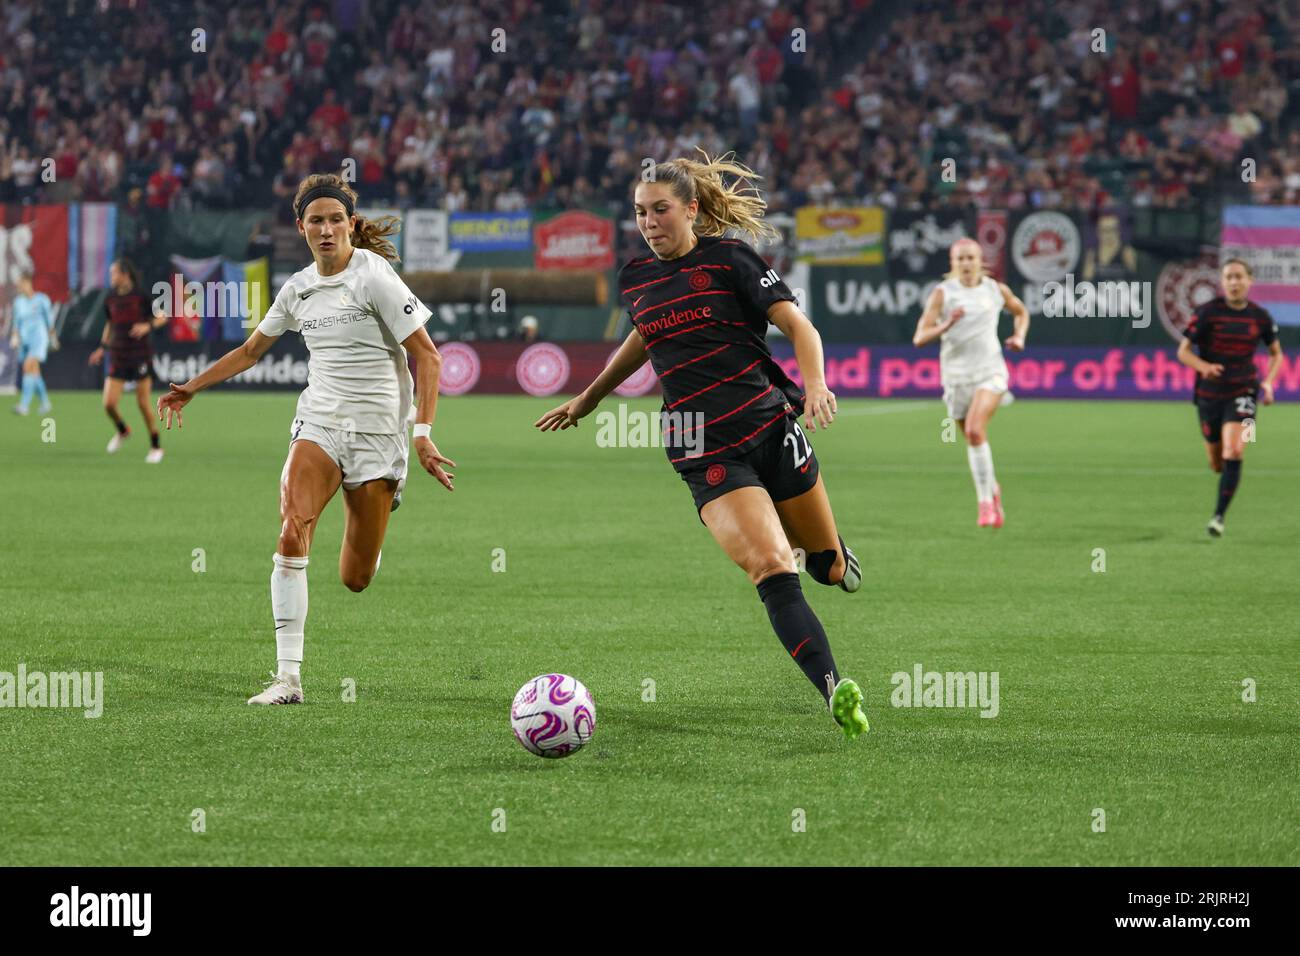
<point>723,206</point>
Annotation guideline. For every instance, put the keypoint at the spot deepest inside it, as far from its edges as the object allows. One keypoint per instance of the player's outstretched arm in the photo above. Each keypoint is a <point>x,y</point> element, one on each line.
<point>239,359</point>
<point>1011,302</point>
<point>819,406</point>
<point>631,355</point>
<point>428,371</point>
<point>928,327</point>
<point>1274,367</point>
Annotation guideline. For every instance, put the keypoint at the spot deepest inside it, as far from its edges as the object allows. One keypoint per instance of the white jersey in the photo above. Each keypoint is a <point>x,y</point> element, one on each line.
<point>970,350</point>
<point>353,324</point>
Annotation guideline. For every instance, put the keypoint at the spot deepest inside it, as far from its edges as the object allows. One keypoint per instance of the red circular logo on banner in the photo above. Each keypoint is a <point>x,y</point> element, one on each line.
<point>699,280</point>
<point>715,474</point>
<point>1182,287</point>
<point>461,369</point>
<point>542,369</point>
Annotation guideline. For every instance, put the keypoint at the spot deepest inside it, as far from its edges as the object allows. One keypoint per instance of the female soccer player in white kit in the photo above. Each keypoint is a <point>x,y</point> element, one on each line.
<point>962,312</point>
<point>359,321</point>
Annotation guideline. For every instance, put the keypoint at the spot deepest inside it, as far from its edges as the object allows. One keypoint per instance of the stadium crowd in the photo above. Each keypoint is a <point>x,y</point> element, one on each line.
<point>501,104</point>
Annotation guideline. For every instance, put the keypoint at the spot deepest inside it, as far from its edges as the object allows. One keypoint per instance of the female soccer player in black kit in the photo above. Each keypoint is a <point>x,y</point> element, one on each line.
<point>700,306</point>
<point>130,354</point>
<point>1226,332</point>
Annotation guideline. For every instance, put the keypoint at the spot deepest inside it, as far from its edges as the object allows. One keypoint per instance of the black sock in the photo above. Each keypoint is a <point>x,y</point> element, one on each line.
<point>117,420</point>
<point>799,630</point>
<point>154,440</point>
<point>1228,483</point>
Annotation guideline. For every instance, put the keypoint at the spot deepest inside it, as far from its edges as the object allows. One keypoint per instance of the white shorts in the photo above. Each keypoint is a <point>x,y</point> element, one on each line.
<point>361,457</point>
<point>959,396</point>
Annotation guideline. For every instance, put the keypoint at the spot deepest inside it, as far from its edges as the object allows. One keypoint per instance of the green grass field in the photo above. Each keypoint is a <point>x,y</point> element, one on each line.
<point>1119,690</point>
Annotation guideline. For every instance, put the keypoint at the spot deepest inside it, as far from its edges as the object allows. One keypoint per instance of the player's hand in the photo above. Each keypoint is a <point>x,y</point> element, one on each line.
<point>1212,370</point>
<point>95,357</point>
<point>1266,394</point>
<point>172,403</point>
<point>818,408</point>
<point>1016,343</point>
<point>433,460</point>
<point>566,415</point>
<point>953,316</point>
<point>140,329</point>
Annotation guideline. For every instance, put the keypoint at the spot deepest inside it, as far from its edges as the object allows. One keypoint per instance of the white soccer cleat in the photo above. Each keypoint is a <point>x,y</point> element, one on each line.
<point>154,456</point>
<point>1215,527</point>
<point>20,410</point>
<point>280,689</point>
<point>852,579</point>
<point>115,442</point>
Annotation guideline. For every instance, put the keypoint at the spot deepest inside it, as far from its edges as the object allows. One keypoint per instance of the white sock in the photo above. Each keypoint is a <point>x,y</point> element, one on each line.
<point>981,469</point>
<point>289,604</point>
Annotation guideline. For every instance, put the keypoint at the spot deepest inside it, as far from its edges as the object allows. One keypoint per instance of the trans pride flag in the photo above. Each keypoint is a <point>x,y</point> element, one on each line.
<point>1268,238</point>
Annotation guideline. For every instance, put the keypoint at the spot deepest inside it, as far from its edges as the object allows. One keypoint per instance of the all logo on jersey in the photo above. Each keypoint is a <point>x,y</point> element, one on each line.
<point>770,278</point>
<point>699,281</point>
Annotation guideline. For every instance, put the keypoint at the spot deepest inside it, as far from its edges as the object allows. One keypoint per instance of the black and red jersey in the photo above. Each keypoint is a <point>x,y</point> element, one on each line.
<point>703,317</point>
<point>125,311</point>
<point>1228,337</point>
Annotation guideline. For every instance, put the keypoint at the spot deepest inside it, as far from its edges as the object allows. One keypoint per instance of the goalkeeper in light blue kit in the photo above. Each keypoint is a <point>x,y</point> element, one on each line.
<point>33,330</point>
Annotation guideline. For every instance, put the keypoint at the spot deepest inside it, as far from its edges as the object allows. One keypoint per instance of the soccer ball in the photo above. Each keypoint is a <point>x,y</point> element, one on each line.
<point>553,715</point>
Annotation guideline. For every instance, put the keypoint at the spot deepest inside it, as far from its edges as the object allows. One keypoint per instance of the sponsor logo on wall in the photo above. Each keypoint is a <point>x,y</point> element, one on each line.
<point>542,369</point>
<point>1182,287</point>
<point>461,368</point>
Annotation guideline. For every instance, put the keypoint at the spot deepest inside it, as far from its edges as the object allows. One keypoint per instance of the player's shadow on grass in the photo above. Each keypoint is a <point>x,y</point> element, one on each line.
<point>180,682</point>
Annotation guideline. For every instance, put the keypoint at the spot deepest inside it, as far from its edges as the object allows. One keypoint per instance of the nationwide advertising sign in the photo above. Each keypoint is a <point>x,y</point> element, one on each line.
<point>491,231</point>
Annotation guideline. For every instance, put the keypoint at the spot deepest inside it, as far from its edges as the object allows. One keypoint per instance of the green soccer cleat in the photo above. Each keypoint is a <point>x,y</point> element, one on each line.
<point>846,708</point>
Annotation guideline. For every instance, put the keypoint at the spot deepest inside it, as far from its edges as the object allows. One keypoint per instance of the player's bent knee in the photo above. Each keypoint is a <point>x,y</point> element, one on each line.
<point>767,565</point>
<point>356,581</point>
<point>295,535</point>
<point>975,436</point>
<point>825,567</point>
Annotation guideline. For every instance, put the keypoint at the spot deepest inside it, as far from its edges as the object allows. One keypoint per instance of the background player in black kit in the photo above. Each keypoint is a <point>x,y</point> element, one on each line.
<point>1226,332</point>
<point>700,307</point>
<point>126,334</point>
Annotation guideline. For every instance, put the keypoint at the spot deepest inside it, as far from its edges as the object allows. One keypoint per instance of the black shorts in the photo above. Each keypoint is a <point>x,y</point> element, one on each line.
<point>129,369</point>
<point>784,464</point>
<point>1213,412</point>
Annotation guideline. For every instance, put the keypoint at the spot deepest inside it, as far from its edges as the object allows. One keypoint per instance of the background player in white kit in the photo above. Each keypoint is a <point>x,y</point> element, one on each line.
<point>962,312</point>
<point>358,320</point>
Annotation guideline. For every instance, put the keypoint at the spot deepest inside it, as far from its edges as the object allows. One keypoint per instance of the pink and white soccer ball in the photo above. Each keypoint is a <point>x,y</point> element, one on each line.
<point>553,715</point>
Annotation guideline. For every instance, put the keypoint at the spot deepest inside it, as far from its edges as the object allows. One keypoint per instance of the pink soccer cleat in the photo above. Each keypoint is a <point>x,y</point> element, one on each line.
<point>987,514</point>
<point>999,516</point>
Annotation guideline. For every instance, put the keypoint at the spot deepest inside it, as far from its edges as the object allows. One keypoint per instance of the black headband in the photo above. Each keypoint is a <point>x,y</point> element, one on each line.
<point>316,192</point>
